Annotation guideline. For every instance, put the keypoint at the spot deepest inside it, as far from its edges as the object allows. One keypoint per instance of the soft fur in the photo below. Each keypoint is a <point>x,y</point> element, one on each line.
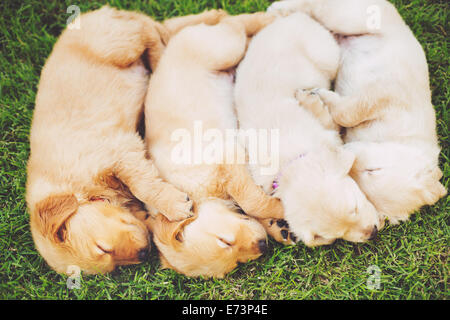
<point>87,161</point>
<point>321,201</point>
<point>382,96</point>
<point>190,85</point>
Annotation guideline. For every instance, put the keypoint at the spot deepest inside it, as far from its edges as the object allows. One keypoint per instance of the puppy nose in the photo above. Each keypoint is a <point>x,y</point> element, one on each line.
<point>374,233</point>
<point>143,254</point>
<point>262,245</point>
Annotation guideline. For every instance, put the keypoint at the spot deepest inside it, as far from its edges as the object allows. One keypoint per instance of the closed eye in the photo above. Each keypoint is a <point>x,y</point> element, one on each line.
<point>370,171</point>
<point>102,250</point>
<point>127,222</point>
<point>317,237</point>
<point>223,243</point>
<point>100,199</point>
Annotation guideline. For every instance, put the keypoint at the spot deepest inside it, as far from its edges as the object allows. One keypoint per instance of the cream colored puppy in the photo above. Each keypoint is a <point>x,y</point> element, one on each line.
<point>190,86</point>
<point>87,162</point>
<point>321,201</point>
<point>383,98</point>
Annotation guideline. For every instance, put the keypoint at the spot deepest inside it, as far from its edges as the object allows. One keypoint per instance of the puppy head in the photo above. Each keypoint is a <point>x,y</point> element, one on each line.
<point>398,179</point>
<point>210,244</point>
<point>323,203</point>
<point>95,236</point>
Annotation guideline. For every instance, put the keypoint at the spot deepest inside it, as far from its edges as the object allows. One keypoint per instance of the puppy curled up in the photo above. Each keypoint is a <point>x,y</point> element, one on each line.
<point>87,162</point>
<point>189,85</point>
<point>321,201</point>
<point>383,99</point>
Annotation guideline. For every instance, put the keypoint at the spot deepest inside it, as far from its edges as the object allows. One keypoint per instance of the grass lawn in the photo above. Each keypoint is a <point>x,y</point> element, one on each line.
<point>412,256</point>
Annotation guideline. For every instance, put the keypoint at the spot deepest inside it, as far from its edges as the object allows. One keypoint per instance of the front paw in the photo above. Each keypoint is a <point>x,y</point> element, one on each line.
<point>181,207</point>
<point>319,96</point>
<point>278,229</point>
<point>312,101</point>
<point>335,105</point>
<point>309,98</point>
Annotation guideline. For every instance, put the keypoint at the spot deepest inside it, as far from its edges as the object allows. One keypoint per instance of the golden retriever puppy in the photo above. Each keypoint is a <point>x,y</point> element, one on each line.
<point>189,86</point>
<point>321,201</point>
<point>209,244</point>
<point>84,145</point>
<point>382,96</point>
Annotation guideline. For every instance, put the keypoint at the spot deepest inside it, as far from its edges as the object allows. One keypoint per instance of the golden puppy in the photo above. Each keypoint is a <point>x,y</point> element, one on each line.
<point>84,144</point>
<point>383,98</point>
<point>189,86</point>
<point>209,244</point>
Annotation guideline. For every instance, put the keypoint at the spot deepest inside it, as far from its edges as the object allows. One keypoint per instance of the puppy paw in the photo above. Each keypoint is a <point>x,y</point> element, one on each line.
<point>278,229</point>
<point>181,208</point>
<point>312,101</point>
<point>335,106</point>
<point>309,98</point>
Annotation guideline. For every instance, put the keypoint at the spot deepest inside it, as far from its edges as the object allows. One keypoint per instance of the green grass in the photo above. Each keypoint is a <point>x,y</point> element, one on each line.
<point>412,257</point>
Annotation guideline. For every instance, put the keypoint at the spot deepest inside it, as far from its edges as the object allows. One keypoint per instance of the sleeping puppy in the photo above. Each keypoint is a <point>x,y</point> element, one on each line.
<point>188,87</point>
<point>86,157</point>
<point>383,99</point>
<point>321,201</point>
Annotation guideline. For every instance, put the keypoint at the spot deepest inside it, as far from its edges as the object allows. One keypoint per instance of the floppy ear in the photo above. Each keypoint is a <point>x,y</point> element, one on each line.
<point>52,213</point>
<point>157,39</point>
<point>345,159</point>
<point>168,232</point>
<point>164,34</point>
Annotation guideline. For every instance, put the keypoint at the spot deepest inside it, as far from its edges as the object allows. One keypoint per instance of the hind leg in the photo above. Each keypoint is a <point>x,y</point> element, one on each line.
<point>209,17</point>
<point>251,23</point>
<point>117,37</point>
<point>223,45</point>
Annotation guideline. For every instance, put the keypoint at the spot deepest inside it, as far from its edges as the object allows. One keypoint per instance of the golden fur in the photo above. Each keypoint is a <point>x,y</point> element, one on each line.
<point>86,158</point>
<point>218,238</point>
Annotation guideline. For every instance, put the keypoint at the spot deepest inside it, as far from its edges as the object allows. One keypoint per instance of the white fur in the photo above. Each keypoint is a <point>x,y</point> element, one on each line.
<point>384,99</point>
<point>319,197</point>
